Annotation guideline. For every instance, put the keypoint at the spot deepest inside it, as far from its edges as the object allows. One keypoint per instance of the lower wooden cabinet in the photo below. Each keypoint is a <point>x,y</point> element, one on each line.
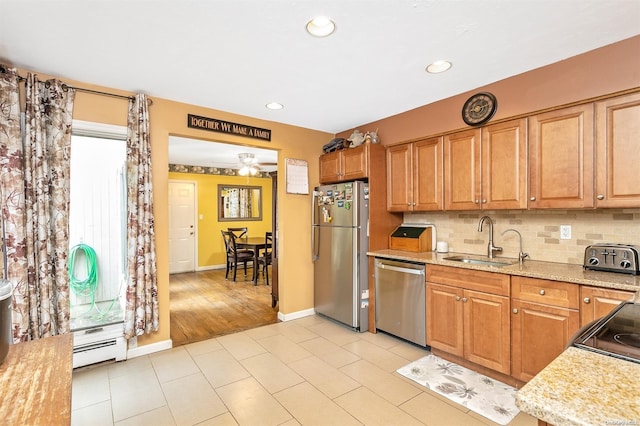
<point>539,333</point>
<point>544,317</point>
<point>597,302</point>
<point>468,323</point>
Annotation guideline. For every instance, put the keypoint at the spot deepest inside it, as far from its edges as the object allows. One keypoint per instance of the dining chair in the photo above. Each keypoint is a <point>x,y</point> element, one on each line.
<point>235,256</point>
<point>239,232</point>
<point>264,259</point>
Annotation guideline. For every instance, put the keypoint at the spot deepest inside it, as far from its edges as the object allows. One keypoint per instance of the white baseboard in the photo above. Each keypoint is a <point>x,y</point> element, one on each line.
<point>210,267</point>
<point>296,315</point>
<point>149,349</point>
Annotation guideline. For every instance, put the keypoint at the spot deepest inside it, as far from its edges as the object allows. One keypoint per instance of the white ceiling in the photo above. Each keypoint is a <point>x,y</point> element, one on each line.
<point>236,56</point>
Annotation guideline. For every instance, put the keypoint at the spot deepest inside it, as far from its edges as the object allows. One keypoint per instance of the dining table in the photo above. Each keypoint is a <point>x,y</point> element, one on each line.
<point>256,244</point>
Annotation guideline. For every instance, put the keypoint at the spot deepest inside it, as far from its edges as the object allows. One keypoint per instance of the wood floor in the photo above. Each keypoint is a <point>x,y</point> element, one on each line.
<point>205,305</point>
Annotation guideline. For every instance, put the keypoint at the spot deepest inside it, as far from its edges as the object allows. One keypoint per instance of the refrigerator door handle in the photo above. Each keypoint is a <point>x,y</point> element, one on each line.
<point>314,229</point>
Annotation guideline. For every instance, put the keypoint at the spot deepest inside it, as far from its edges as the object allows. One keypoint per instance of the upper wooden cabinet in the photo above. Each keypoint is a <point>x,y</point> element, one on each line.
<point>344,165</point>
<point>561,158</point>
<point>617,153</point>
<point>414,180</point>
<point>487,168</point>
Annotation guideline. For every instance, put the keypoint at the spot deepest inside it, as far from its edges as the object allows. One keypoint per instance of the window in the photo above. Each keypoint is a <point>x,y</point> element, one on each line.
<point>97,224</point>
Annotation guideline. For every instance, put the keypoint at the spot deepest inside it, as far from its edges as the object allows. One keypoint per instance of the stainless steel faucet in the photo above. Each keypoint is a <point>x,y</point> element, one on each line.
<point>490,247</point>
<point>521,255</point>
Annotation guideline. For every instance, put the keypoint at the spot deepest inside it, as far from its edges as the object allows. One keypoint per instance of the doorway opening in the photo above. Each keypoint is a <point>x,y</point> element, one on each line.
<point>203,304</point>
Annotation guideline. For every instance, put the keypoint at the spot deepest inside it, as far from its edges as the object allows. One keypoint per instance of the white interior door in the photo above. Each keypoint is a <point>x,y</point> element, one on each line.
<point>182,226</point>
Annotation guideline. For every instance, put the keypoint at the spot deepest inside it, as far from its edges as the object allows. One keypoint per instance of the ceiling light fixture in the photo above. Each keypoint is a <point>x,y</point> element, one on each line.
<point>248,161</point>
<point>438,67</point>
<point>274,105</point>
<point>321,26</point>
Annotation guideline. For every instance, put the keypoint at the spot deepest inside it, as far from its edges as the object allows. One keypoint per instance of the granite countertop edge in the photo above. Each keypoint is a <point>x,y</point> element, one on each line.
<point>573,390</point>
<point>530,268</point>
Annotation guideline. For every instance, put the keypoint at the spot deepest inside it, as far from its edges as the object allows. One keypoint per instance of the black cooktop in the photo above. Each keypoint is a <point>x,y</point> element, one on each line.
<point>617,334</point>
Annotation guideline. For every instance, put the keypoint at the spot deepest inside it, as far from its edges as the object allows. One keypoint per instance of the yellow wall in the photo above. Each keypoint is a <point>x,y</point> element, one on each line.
<point>210,245</point>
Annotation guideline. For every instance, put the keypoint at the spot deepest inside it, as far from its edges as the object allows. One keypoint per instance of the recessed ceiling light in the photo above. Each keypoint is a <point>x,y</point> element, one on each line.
<point>321,26</point>
<point>274,105</point>
<point>438,66</point>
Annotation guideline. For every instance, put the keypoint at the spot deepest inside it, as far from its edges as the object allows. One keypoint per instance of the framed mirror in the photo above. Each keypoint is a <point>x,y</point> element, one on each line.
<point>239,203</point>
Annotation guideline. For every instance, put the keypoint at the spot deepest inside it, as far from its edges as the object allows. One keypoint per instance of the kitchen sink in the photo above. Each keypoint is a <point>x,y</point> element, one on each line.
<point>476,261</point>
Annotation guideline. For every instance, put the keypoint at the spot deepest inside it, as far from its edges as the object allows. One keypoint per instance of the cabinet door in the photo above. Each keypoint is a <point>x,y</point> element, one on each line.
<point>462,170</point>
<point>330,167</point>
<point>598,302</point>
<point>504,165</point>
<point>399,179</point>
<point>445,318</point>
<point>539,333</point>
<point>354,163</point>
<point>617,153</point>
<point>561,151</point>
<point>487,330</point>
<point>427,174</point>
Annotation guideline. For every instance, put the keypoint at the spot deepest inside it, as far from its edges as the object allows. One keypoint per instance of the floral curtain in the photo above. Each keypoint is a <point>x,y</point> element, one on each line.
<point>47,150</point>
<point>35,203</point>
<point>141,311</point>
<point>12,199</point>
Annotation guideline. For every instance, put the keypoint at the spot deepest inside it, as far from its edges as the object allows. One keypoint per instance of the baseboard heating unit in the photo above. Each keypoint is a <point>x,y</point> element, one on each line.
<point>98,344</point>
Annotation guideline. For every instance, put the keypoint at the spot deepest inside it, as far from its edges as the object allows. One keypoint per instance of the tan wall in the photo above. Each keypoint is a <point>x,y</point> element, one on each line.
<point>606,70</point>
<point>602,71</point>
<point>211,251</point>
<point>169,118</point>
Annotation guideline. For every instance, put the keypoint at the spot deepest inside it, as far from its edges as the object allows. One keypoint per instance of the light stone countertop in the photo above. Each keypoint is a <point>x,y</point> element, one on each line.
<point>531,268</point>
<point>581,387</point>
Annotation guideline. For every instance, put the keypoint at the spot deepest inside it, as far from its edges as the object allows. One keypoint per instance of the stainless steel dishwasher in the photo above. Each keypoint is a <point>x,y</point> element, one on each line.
<point>400,299</point>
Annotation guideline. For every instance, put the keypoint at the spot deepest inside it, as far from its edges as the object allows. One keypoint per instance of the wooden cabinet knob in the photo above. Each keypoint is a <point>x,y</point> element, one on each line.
<point>586,300</point>
<point>515,310</point>
<point>484,201</point>
<point>477,201</point>
<point>542,292</point>
<point>600,197</point>
<point>532,198</point>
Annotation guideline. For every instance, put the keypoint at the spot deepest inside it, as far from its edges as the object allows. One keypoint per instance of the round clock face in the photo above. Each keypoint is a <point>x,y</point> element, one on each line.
<point>479,108</point>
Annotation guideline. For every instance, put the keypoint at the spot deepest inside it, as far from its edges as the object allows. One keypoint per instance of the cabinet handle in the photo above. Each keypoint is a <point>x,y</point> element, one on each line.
<point>457,298</point>
<point>484,201</point>
<point>464,300</point>
<point>515,310</point>
<point>477,201</point>
<point>532,198</point>
<point>413,204</point>
<point>409,204</point>
<point>586,300</point>
<point>600,197</point>
<point>542,292</point>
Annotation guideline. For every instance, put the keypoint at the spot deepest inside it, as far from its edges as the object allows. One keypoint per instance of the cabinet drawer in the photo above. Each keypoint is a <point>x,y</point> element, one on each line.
<point>487,282</point>
<point>553,293</point>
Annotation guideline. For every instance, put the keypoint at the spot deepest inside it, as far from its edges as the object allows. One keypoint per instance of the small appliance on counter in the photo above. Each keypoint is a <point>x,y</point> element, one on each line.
<point>612,257</point>
<point>413,237</point>
<point>617,334</point>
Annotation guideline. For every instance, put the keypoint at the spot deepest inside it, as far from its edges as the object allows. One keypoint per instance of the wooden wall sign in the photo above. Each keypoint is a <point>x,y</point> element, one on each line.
<point>214,125</point>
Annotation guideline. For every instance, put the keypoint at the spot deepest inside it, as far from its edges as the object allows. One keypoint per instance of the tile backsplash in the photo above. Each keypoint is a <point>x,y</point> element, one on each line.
<point>540,231</point>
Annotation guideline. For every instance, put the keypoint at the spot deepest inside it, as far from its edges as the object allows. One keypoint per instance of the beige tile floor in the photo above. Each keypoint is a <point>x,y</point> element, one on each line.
<point>309,371</point>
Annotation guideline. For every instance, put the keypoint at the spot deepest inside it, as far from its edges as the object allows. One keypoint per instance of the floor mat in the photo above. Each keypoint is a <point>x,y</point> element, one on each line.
<point>488,397</point>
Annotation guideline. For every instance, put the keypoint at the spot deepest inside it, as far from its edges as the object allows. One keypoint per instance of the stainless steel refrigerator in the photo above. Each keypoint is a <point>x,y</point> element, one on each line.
<point>340,240</point>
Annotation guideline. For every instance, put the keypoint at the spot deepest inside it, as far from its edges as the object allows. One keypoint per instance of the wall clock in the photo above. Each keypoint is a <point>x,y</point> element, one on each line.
<point>479,108</point>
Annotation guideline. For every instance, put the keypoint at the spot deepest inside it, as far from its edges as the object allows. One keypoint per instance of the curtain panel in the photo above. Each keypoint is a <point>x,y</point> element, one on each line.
<point>12,200</point>
<point>141,311</point>
<point>47,151</point>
